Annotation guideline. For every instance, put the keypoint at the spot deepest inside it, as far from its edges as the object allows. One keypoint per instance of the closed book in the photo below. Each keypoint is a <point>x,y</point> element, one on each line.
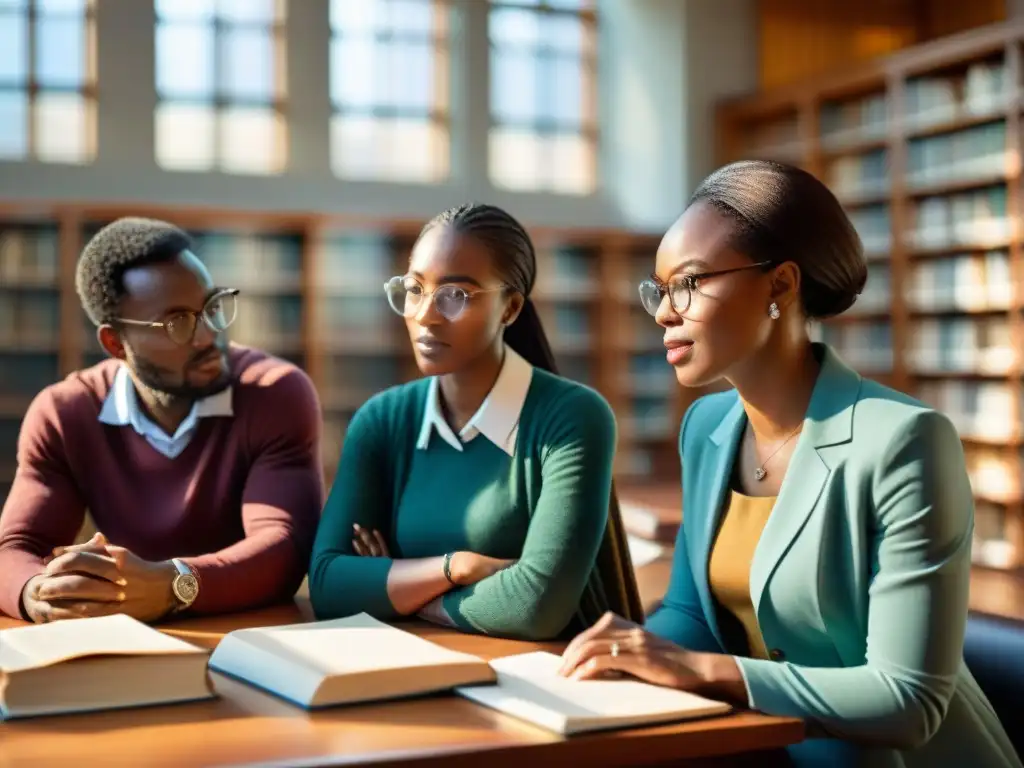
<point>343,661</point>
<point>85,665</point>
<point>529,688</point>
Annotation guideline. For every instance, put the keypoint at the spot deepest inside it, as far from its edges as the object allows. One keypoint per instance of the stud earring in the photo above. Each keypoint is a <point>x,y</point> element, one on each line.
<point>773,311</point>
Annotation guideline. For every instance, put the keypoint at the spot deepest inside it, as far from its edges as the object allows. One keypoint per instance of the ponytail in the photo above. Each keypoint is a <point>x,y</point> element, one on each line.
<point>516,261</point>
<point>526,336</point>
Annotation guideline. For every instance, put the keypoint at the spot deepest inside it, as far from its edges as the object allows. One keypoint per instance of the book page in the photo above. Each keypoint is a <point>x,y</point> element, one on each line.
<point>10,657</point>
<point>41,645</point>
<point>626,697</point>
<point>351,645</point>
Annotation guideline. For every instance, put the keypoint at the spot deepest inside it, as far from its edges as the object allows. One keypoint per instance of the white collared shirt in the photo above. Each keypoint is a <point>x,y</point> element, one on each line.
<point>497,418</point>
<point>121,409</point>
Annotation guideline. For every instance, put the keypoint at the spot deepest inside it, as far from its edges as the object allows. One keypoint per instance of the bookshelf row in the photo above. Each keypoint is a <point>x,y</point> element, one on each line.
<point>923,149</point>
<point>312,292</point>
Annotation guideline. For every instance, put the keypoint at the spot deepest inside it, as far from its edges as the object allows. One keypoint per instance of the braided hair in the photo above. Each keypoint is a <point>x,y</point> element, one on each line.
<point>516,262</point>
<point>782,213</point>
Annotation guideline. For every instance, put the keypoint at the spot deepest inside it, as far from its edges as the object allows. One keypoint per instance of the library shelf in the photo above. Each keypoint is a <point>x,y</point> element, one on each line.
<point>923,148</point>
<point>312,292</point>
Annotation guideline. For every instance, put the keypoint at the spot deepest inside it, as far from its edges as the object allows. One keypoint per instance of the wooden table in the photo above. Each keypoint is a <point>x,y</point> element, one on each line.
<point>245,726</point>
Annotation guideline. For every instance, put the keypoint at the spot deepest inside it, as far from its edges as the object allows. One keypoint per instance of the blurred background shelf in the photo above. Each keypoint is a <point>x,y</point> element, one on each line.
<point>312,293</point>
<point>923,149</point>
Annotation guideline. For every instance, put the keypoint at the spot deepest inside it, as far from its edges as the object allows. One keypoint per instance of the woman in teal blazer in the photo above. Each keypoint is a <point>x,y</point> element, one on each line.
<point>823,565</point>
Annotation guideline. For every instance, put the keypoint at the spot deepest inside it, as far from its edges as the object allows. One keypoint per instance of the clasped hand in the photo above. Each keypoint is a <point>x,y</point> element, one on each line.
<point>466,567</point>
<point>98,579</point>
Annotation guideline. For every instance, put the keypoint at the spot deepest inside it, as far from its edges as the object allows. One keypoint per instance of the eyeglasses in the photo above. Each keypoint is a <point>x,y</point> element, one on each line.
<point>680,288</point>
<point>218,313</point>
<point>406,296</point>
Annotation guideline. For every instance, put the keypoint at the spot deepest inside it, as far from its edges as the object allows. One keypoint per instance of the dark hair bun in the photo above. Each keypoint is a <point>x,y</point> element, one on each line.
<point>785,214</point>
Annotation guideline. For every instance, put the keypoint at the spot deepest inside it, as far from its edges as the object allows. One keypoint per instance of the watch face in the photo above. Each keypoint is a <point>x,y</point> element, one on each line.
<point>186,588</point>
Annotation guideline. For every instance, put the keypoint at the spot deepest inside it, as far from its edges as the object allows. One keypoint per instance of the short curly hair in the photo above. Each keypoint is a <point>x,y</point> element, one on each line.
<point>125,243</point>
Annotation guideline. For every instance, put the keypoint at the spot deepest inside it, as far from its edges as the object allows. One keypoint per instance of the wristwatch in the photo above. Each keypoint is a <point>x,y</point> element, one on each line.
<point>185,585</point>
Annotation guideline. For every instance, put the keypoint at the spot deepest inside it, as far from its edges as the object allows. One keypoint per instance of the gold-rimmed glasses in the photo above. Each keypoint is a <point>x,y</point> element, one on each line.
<point>218,314</point>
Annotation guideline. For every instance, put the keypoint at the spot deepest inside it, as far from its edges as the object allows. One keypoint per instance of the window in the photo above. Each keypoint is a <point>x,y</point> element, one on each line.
<point>220,81</point>
<point>48,80</point>
<point>389,90</point>
<point>543,96</point>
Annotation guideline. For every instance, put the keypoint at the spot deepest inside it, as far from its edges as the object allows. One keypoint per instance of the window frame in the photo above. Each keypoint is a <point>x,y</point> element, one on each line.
<point>219,102</point>
<point>543,56</point>
<point>438,115</point>
<point>33,88</point>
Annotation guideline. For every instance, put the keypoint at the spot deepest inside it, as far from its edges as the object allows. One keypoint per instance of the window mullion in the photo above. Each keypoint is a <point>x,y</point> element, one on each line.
<point>31,82</point>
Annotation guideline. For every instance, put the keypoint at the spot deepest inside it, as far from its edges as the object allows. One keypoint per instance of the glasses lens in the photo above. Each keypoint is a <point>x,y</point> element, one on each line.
<point>650,297</point>
<point>450,301</point>
<point>404,295</point>
<point>681,293</point>
<point>181,328</point>
<point>220,311</point>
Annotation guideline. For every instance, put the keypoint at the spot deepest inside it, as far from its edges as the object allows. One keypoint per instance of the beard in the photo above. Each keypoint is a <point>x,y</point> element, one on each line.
<point>167,392</point>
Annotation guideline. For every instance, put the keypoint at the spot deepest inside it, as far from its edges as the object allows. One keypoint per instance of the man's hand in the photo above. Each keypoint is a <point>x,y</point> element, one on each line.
<point>97,579</point>
<point>48,598</point>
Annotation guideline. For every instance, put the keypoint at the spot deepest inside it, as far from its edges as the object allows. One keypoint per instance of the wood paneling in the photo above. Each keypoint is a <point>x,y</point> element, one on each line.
<point>947,17</point>
<point>801,39</point>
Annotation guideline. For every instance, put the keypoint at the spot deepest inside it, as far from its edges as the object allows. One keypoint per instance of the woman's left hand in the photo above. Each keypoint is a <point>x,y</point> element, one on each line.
<point>614,644</point>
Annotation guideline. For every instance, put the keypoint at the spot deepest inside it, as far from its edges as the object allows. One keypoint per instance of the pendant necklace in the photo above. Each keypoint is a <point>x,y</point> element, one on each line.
<point>761,473</point>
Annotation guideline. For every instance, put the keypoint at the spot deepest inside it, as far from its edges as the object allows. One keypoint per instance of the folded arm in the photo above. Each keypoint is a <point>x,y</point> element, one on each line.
<point>918,604</point>
<point>280,507</point>
<point>537,597</point>
<point>343,583</point>
<point>44,508</point>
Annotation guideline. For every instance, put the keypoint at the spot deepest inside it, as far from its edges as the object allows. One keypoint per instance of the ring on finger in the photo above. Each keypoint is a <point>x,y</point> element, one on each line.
<point>614,650</point>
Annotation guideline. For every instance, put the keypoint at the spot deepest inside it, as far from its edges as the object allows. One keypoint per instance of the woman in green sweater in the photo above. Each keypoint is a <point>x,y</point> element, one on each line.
<point>479,495</point>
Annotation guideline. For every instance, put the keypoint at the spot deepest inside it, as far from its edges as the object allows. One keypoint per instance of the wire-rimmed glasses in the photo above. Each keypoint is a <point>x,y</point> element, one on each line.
<point>218,314</point>
<point>680,288</point>
<point>406,296</point>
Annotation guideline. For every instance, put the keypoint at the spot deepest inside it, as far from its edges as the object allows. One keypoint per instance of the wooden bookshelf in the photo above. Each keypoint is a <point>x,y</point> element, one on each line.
<point>924,150</point>
<point>312,292</point>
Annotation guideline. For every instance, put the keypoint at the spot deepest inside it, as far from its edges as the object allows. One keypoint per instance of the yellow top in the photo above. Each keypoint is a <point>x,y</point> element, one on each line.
<point>731,556</point>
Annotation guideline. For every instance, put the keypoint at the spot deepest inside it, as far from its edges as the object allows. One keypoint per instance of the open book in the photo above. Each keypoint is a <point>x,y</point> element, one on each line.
<point>107,662</point>
<point>344,661</point>
<point>530,688</point>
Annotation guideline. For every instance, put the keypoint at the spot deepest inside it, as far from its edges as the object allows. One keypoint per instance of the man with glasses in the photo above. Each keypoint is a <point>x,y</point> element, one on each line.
<point>197,460</point>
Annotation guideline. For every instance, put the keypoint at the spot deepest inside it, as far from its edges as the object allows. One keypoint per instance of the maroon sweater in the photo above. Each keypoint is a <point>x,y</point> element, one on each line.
<point>240,504</point>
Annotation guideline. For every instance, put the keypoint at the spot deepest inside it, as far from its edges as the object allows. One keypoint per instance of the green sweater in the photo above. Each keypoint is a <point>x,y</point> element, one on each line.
<point>547,506</point>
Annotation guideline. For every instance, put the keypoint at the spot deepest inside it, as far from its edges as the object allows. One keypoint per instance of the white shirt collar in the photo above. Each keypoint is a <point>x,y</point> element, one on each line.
<point>121,409</point>
<point>497,418</point>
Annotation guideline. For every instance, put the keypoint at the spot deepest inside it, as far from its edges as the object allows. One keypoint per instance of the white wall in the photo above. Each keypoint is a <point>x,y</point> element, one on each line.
<point>664,63</point>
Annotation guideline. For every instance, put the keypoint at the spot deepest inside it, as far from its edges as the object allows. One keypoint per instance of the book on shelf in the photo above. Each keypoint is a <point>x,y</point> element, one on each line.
<point>86,665</point>
<point>343,661</point>
<point>529,688</point>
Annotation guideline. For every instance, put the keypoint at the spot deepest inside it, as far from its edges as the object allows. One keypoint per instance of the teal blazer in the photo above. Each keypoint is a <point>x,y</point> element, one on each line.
<point>859,582</point>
